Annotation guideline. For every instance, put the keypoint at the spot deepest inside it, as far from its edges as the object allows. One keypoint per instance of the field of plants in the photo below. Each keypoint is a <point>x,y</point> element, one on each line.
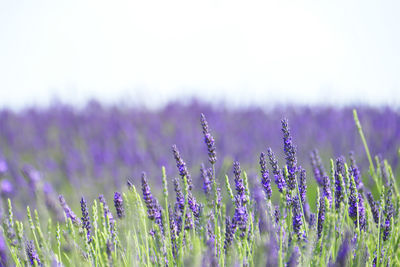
<point>197,185</point>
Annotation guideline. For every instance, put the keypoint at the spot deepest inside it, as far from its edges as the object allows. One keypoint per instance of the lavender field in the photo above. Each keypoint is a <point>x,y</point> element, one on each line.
<point>197,185</point>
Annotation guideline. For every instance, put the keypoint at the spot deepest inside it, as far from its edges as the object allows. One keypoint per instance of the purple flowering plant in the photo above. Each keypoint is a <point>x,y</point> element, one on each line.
<point>228,212</point>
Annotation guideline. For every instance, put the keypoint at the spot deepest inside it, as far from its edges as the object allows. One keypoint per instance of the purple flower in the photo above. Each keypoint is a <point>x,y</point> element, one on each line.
<point>239,182</point>
<point>68,212</point>
<point>265,180</point>
<point>230,229</point>
<point>183,172</point>
<point>318,168</point>
<point>279,179</point>
<point>148,198</point>
<point>290,152</point>
<point>119,205</point>
<point>209,140</point>
<point>303,186</point>
<point>207,176</point>
<point>194,206</point>
<point>326,189</point>
<point>180,204</point>
<point>321,216</point>
<point>353,199</point>
<point>85,219</point>
<point>388,214</point>
<point>180,198</point>
<point>374,207</point>
<point>361,211</point>
<point>297,218</point>
<point>339,176</point>
<point>240,217</point>
<point>32,254</point>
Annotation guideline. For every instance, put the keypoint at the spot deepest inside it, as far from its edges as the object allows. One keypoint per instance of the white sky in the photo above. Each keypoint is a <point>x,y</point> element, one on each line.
<point>241,52</point>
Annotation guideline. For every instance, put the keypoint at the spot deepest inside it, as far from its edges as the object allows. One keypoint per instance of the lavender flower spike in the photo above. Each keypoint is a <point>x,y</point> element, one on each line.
<point>303,186</point>
<point>339,176</point>
<point>279,180</point>
<point>239,185</point>
<point>353,200</point>
<point>297,220</point>
<point>321,216</point>
<point>207,176</point>
<point>68,212</point>
<point>326,189</point>
<point>290,152</point>
<point>86,219</point>
<point>361,211</point>
<point>229,233</point>
<point>318,168</point>
<point>265,180</point>
<point>148,197</point>
<point>32,254</point>
<point>119,205</point>
<point>388,213</point>
<point>183,172</point>
<point>209,140</point>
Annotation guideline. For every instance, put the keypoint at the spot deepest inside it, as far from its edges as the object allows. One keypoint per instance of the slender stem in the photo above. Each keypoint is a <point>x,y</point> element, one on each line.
<point>371,164</point>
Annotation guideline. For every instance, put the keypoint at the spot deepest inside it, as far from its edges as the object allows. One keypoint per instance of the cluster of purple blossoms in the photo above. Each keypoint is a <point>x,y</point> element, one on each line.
<point>290,152</point>
<point>326,189</point>
<point>180,206</point>
<point>86,219</point>
<point>119,205</point>
<point>279,179</point>
<point>230,229</point>
<point>321,216</point>
<point>388,214</point>
<point>209,140</point>
<point>303,186</point>
<point>241,215</point>
<point>207,176</point>
<point>32,254</point>
<point>297,217</point>
<point>183,172</point>
<point>361,211</point>
<point>194,206</point>
<point>148,198</point>
<point>265,180</point>
<point>239,185</point>
<point>173,228</point>
<point>356,206</point>
<point>68,212</point>
<point>339,176</point>
<point>317,167</point>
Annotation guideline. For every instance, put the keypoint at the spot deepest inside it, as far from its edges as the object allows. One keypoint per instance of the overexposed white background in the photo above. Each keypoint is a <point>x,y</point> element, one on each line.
<point>240,52</point>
